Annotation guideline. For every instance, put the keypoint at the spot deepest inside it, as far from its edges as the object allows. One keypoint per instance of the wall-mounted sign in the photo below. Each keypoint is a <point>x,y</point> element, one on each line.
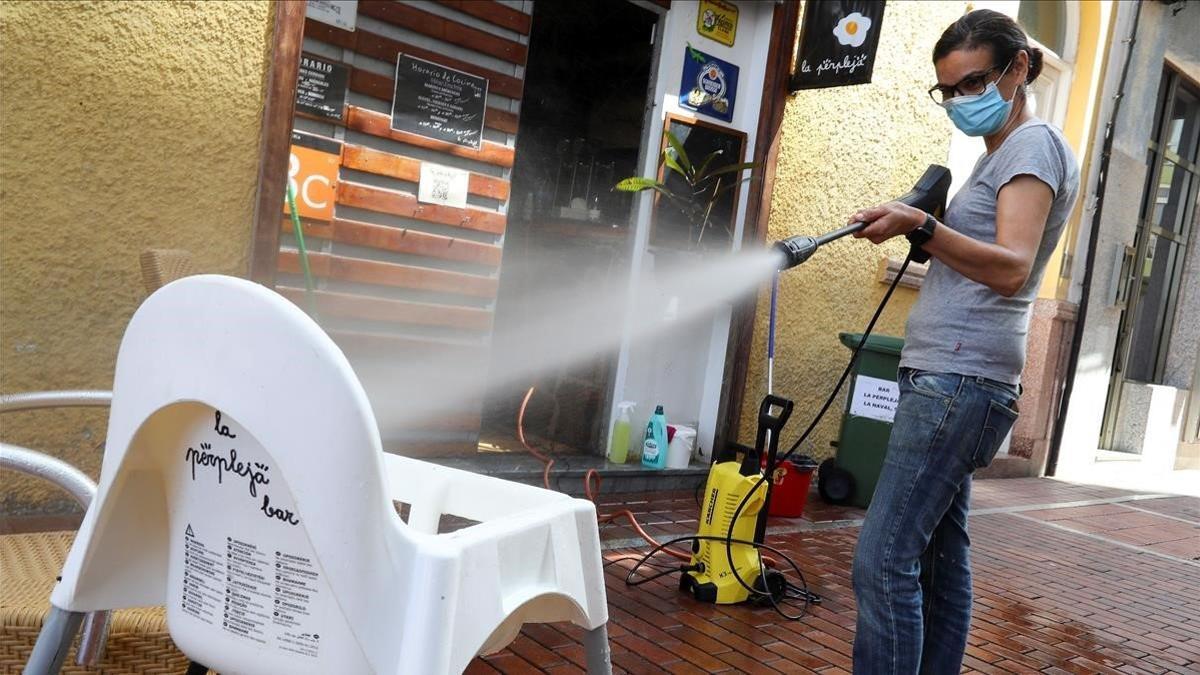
<point>717,19</point>
<point>709,85</point>
<point>443,185</point>
<point>339,13</point>
<point>312,173</point>
<point>321,87</point>
<point>437,102</point>
<point>838,43</point>
<point>874,398</point>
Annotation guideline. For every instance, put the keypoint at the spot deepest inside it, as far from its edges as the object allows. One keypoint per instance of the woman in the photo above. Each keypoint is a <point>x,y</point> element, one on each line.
<point>964,347</point>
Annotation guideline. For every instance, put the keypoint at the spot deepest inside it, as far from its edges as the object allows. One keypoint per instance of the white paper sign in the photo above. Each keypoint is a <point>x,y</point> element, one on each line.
<point>443,185</point>
<point>874,398</point>
<point>338,13</point>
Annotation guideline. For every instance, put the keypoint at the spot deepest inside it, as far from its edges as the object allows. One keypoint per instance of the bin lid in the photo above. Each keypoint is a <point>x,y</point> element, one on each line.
<point>883,344</point>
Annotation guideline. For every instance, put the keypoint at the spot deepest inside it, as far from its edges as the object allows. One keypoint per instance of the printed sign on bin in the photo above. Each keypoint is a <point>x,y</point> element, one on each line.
<point>874,398</point>
<point>312,173</point>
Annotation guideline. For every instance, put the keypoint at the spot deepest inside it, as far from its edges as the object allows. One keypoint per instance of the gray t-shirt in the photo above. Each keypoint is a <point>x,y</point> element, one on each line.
<point>961,326</point>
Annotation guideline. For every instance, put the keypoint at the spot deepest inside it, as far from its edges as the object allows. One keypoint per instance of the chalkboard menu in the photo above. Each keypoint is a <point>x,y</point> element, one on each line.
<point>321,87</point>
<point>838,42</point>
<point>437,102</point>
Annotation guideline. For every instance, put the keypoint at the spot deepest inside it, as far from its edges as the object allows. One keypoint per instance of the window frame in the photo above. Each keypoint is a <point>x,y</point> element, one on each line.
<point>275,141</point>
<point>1157,153</point>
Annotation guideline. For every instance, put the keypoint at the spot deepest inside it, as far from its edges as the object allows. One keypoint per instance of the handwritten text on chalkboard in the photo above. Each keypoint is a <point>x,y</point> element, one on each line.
<point>321,87</point>
<point>437,102</point>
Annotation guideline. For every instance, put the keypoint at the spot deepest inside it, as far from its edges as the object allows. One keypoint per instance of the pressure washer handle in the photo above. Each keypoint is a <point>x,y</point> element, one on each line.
<point>768,422</point>
<point>752,461</point>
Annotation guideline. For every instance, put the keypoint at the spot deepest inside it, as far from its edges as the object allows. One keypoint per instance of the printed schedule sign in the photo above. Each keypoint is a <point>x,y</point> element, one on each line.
<point>837,43</point>
<point>437,102</point>
<point>874,398</point>
<point>321,87</point>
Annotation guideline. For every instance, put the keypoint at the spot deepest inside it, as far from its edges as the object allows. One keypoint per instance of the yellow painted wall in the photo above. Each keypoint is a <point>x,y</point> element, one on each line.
<point>125,126</point>
<point>1095,27</point>
<point>842,149</point>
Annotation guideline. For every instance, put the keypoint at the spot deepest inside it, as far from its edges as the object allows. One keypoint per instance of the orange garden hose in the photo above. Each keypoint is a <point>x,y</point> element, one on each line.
<point>590,478</point>
<point>548,461</point>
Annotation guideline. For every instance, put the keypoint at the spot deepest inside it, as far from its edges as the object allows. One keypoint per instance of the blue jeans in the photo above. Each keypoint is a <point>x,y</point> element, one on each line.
<point>912,577</point>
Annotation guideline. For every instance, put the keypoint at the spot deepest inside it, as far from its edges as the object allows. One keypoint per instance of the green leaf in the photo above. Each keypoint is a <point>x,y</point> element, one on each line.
<point>734,168</point>
<point>669,160</point>
<point>680,153</point>
<point>638,184</point>
<point>700,173</point>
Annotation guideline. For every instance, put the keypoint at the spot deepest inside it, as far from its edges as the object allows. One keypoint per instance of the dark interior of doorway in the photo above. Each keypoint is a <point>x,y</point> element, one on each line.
<point>586,91</point>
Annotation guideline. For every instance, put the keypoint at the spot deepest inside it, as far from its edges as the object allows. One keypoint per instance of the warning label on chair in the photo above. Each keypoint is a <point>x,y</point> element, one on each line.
<point>263,595</point>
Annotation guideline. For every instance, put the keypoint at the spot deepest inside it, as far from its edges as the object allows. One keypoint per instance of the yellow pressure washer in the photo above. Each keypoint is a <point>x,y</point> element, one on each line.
<point>723,571</point>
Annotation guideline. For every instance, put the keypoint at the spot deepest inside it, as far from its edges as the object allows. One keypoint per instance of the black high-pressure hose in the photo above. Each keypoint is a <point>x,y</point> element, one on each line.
<point>807,432</point>
<point>728,539</point>
<point>929,195</point>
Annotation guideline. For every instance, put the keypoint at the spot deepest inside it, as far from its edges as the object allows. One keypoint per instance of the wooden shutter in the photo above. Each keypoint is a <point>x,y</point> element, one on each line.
<point>399,280</point>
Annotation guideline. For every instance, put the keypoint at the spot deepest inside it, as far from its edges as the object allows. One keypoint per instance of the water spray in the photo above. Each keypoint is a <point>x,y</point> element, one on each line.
<point>753,576</point>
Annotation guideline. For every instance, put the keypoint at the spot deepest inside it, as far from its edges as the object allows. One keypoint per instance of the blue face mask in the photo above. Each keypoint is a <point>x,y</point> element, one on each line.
<point>981,114</point>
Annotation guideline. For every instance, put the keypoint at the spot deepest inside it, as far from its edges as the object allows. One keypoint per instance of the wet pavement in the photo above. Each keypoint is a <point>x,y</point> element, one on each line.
<point>1068,579</point>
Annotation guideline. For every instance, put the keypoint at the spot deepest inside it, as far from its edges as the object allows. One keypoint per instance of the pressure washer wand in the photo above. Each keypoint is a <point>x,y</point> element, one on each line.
<point>929,195</point>
<point>839,233</point>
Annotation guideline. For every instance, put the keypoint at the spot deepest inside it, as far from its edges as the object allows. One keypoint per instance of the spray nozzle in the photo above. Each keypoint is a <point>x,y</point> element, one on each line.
<point>795,250</point>
<point>929,195</point>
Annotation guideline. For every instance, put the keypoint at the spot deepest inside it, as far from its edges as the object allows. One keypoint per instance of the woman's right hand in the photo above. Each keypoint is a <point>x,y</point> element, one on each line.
<point>890,219</point>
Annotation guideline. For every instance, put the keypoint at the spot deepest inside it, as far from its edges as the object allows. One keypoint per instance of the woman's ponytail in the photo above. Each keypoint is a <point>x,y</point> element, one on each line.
<point>1035,64</point>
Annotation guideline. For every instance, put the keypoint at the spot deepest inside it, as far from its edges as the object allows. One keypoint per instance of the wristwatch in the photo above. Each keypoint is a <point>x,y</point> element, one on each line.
<point>924,232</point>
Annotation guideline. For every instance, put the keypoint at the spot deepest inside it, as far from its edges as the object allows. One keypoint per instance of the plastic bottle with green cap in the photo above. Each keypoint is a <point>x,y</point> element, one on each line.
<point>654,443</point>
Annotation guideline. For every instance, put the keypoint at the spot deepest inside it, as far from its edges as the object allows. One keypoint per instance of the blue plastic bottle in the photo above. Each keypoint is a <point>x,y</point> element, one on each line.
<point>654,443</point>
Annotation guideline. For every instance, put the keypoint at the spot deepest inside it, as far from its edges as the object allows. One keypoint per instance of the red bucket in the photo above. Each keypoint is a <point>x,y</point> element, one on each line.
<point>789,489</point>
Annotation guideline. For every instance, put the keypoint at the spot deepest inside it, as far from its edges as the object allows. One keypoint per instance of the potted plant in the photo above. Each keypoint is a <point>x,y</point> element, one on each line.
<point>690,195</point>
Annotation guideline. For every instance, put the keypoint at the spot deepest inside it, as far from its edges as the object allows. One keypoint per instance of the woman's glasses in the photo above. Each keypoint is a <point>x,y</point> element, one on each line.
<point>971,85</point>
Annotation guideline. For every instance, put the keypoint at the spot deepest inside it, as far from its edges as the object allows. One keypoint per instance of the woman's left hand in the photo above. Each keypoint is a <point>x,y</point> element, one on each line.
<point>888,220</point>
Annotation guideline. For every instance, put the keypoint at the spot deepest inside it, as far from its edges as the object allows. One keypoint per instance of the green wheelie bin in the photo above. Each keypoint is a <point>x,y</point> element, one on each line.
<point>870,408</point>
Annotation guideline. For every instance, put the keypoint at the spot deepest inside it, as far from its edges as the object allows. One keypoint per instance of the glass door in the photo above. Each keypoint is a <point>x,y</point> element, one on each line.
<point>582,123</point>
<point>1155,268</point>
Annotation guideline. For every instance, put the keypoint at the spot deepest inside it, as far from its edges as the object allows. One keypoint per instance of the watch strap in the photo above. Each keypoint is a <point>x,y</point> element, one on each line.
<point>919,236</point>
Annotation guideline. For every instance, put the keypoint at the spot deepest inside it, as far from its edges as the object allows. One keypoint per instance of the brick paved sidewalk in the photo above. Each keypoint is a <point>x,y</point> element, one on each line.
<point>1068,579</point>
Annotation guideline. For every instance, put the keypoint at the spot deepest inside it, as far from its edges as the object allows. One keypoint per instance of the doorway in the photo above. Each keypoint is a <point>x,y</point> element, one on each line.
<point>587,88</point>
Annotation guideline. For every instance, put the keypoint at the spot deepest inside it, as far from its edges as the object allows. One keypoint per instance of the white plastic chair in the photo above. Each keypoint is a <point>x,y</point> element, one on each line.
<point>244,488</point>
